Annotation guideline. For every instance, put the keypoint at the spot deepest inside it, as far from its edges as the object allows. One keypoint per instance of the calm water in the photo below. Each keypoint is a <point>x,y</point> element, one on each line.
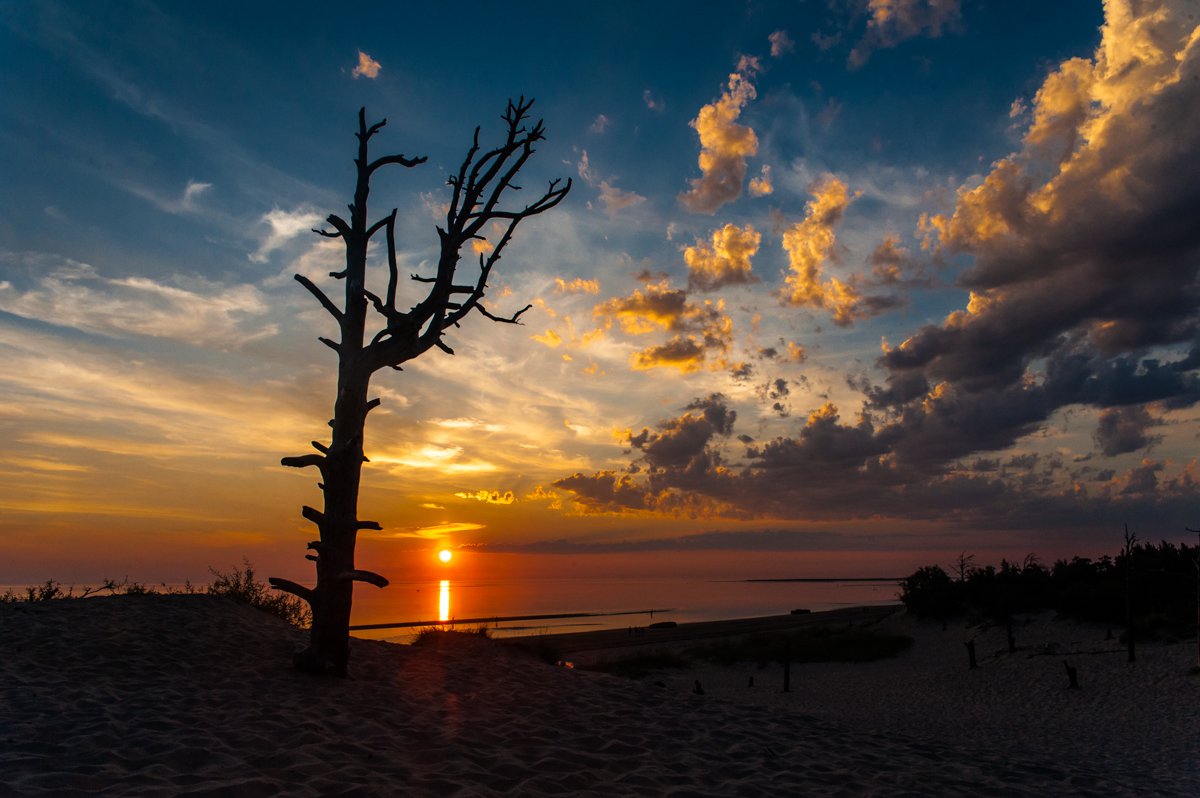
<point>673,599</point>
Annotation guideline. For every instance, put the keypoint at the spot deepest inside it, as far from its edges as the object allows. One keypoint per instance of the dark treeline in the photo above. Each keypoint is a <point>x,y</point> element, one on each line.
<point>1161,583</point>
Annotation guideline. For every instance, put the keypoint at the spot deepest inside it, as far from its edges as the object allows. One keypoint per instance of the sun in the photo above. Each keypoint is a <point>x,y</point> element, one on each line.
<point>445,555</point>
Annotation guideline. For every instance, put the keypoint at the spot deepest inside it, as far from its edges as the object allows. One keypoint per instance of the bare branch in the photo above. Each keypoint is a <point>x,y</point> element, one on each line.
<point>339,223</point>
<point>325,301</point>
<point>320,447</point>
<point>316,516</point>
<point>331,344</point>
<point>370,525</point>
<point>393,271</point>
<point>513,319</point>
<point>359,575</point>
<point>421,279</point>
<point>326,233</point>
<point>304,461</point>
<point>397,159</point>
<point>442,346</point>
<point>288,586</point>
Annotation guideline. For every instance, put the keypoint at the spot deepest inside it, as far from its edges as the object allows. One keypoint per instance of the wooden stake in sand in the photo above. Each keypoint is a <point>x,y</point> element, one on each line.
<point>475,217</point>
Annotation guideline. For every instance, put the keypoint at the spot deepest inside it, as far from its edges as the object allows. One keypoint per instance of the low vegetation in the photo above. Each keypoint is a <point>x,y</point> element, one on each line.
<point>238,585</point>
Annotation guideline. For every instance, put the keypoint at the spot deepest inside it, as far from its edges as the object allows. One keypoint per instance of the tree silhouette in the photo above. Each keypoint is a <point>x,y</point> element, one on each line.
<point>477,190</point>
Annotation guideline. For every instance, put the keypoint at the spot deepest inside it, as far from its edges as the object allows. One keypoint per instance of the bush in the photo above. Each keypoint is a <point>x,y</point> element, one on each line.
<point>240,586</point>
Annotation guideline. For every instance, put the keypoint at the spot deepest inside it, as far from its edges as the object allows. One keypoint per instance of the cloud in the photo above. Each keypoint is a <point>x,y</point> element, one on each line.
<point>781,44</point>
<point>890,22</point>
<point>653,103</point>
<point>726,261</point>
<point>1079,252</point>
<point>191,192</point>
<point>72,294</point>
<point>809,245</point>
<point>576,286</point>
<point>761,186</point>
<point>600,124</point>
<point>1123,429</point>
<point>703,332</point>
<point>724,145</point>
<point>613,198</point>
<point>489,496</point>
<point>282,226</point>
<point>367,67</point>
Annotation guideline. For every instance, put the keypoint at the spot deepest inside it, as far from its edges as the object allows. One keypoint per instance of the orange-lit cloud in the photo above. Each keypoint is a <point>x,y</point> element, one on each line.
<point>761,186</point>
<point>810,244</point>
<point>367,67</point>
<point>724,146</point>
<point>726,261</point>
<point>579,285</point>
<point>489,496</point>
<point>703,331</point>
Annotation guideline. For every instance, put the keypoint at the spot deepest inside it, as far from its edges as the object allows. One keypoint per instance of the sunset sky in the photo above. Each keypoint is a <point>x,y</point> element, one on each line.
<point>842,286</point>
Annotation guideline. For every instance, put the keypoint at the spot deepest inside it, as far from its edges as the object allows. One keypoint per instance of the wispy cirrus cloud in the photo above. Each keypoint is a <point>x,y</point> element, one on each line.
<point>72,294</point>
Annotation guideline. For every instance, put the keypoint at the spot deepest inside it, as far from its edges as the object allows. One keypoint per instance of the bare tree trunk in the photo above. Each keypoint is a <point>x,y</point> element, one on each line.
<point>482,181</point>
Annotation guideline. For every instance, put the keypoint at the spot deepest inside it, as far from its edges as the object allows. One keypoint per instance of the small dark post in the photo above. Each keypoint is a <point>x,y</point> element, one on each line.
<point>698,689</point>
<point>787,666</point>
<point>750,682</point>
<point>970,644</point>
<point>1072,675</point>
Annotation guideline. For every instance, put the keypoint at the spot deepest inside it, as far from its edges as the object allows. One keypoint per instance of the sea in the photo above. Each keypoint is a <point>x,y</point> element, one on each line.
<point>526,606</point>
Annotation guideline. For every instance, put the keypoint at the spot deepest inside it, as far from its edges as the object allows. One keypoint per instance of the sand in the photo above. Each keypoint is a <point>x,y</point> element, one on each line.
<point>194,695</point>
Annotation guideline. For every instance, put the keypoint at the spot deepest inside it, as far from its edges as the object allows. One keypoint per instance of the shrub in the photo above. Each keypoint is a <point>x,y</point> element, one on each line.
<point>240,586</point>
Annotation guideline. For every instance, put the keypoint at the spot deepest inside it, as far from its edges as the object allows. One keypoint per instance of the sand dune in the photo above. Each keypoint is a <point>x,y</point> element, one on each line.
<point>193,695</point>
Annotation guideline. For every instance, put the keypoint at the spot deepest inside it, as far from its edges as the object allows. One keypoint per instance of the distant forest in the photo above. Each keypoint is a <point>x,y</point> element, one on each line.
<point>1159,581</point>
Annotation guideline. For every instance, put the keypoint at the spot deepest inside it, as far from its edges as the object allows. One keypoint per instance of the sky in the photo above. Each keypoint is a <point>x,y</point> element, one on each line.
<point>840,287</point>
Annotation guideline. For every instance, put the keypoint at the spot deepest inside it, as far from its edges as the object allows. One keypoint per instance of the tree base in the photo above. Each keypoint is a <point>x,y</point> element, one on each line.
<point>311,661</point>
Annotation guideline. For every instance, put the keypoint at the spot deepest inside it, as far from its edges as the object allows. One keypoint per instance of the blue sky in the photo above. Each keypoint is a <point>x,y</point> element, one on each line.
<point>935,289</point>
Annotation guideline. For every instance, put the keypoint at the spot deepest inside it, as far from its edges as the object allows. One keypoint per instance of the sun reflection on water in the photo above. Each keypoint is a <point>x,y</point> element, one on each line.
<point>444,601</point>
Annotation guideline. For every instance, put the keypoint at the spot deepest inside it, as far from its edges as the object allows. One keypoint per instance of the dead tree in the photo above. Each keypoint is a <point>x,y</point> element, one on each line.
<point>477,191</point>
<point>1130,539</point>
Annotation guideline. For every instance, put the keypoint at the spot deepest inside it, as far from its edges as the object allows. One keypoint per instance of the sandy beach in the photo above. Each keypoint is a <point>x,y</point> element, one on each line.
<point>194,695</point>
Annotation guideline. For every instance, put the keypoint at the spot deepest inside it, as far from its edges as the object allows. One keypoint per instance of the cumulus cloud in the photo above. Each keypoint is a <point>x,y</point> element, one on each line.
<point>890,22</point>
<point>810,244</point>
<point>724,261</point>
<point>367,67</point>
<point>724,145</point>
<point>761,186</point>
<point>703,332</point>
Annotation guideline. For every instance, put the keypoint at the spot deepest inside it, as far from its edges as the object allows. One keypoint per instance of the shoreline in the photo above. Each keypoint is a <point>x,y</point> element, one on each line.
<point>195,695</point>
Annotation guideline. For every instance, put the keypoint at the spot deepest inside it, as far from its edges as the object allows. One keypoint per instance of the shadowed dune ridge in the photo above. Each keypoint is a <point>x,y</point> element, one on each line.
<point>194,695</point>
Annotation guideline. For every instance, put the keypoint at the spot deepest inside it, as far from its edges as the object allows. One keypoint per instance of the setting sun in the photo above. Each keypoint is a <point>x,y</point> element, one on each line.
<point>445,555</point>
